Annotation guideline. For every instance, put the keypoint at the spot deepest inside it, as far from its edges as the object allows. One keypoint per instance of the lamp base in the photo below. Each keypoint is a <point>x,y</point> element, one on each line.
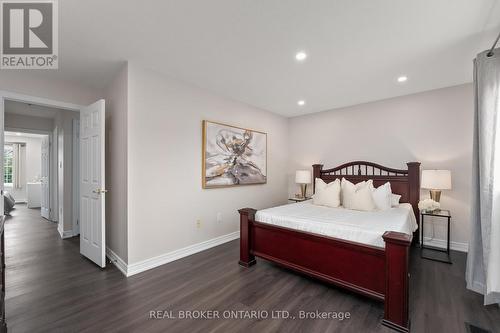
<point>435,195</point>
<point>303,189</point>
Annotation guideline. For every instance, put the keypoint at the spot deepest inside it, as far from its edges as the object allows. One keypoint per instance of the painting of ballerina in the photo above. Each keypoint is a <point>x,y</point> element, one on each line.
<point>233,156</point>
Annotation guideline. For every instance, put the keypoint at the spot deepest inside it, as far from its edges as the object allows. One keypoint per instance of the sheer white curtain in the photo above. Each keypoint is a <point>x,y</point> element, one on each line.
<point>17,166</point>
<point>483,259</point>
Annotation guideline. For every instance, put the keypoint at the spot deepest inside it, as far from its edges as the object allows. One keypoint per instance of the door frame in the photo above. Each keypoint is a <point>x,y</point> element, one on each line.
<point>11,96</point>
<point>49,134</point>
<point>76,176</point>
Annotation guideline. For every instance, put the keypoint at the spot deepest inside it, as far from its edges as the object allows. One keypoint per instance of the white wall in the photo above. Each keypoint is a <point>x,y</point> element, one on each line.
<point>116,164</point>
<point>165,197</point>
<point>434,128</point>
<point>17,121</point>
<point>35,84</point>
<point>32,156</point>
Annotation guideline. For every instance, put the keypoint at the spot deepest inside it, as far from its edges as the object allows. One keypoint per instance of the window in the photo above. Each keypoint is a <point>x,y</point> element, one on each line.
<point>8,157</point>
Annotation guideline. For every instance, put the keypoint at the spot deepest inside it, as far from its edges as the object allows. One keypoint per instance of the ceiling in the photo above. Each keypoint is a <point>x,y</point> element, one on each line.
<point>32,110</point>
<point>244,50</point>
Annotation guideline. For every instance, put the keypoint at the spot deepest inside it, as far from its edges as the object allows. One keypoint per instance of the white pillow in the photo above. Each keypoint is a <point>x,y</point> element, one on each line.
<point>357,197</point>
<point>395,200</point>
<point>346,190</point>
<point>382,196</point>
<point>327,194</point>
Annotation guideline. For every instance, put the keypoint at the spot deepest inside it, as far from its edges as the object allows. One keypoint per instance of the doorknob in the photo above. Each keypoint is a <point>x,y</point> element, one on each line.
<point>99,191</point>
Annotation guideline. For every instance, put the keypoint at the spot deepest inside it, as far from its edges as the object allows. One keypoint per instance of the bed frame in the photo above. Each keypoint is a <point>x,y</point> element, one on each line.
<point>375,272</point>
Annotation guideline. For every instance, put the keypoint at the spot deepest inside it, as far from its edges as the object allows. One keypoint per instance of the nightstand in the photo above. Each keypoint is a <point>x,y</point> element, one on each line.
<point>298,199</point>
<point>445,214</point>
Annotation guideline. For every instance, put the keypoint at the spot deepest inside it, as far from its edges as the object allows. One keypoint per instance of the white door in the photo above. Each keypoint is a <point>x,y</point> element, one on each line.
<point>45,177</point>
<point>92,185</point>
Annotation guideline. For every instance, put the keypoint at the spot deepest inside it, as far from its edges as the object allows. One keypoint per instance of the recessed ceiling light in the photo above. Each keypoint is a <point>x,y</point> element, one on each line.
<point>402,79</point>
<point>301,56</point>
<point>18,134</point>
<point>301,102</point>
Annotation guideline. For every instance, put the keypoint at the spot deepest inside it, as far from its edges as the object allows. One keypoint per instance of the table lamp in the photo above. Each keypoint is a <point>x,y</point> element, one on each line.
<point>303,177</point>
<point>435,181</point>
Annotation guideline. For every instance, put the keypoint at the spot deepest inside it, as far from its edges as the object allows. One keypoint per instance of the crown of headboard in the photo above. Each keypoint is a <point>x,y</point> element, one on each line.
<point>405,182</point>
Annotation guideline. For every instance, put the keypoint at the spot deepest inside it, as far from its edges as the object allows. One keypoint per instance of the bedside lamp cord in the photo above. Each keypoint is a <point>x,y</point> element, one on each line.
<point>490,54</point>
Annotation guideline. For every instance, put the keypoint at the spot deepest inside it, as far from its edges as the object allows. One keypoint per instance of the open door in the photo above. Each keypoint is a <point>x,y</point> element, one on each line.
<point>92,183</point>
<point>45,202</point>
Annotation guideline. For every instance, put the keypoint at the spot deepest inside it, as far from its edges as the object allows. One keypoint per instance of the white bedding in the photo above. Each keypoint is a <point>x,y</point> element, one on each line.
<point>357,226</point>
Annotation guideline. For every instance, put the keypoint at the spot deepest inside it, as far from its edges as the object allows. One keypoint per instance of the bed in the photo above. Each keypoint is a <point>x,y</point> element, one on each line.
<point>370,261</point>
<point>352,225</point>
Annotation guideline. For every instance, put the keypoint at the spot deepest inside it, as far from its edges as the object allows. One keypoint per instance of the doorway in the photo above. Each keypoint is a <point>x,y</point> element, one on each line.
<point>26,171</point>
<point>73,181</point>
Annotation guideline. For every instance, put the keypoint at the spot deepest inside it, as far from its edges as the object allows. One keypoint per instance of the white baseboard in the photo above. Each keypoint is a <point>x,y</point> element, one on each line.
<point>144,265</point>
<point>457,246</point>
<point>147,264</point>
<point>65,234</point>
<point>117,261</point>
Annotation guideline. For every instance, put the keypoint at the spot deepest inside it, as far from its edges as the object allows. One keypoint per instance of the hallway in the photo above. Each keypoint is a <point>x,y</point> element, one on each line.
<point>48,283</point>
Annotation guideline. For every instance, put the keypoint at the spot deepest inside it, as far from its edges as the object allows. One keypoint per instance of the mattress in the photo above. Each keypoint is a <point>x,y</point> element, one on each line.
<point>356,226</point>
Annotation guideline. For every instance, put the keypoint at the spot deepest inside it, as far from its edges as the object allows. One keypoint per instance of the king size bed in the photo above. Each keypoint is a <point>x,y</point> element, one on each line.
<point>365,252</point>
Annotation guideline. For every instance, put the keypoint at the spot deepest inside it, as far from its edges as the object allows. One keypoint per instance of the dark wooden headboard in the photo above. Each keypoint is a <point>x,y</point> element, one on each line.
<point>403,182</point>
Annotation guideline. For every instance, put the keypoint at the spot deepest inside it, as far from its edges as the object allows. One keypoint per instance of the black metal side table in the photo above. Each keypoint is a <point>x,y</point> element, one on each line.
<point>435,250</point>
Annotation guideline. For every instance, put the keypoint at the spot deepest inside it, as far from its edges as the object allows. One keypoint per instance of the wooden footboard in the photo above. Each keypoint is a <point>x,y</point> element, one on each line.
<point>397,284</point>
<point>378,273</point>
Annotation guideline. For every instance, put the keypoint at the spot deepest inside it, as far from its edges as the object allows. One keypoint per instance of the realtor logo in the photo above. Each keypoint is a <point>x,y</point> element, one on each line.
<point>29,37</point>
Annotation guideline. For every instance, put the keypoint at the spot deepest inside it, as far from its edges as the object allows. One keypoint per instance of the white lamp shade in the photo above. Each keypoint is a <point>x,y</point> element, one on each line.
<point>436,179</point>
<point>303,177</point>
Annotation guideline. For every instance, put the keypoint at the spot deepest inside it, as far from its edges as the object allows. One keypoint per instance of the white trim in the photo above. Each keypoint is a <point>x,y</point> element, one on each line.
<point>141,266</point>
<point>117,261</point>
<point>64,234</point>
<point>76,175</point>
<point>11,96</point>
<point>457,246</point>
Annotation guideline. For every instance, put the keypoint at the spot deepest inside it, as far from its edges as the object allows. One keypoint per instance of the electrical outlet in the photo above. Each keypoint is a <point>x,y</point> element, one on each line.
<point>219,217</point>
<point>198,224</point>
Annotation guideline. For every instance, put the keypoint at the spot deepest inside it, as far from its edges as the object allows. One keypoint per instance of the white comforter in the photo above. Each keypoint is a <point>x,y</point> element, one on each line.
<point>352,225</point>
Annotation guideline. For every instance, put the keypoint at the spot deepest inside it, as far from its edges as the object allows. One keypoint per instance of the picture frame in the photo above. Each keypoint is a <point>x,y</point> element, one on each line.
<point>232,156</point>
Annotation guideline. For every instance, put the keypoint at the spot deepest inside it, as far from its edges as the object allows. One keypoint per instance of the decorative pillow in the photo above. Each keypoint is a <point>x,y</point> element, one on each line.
<point>357,197</point>
<point>395,200</point>
<point>382,196</point>
<point>327,194</point>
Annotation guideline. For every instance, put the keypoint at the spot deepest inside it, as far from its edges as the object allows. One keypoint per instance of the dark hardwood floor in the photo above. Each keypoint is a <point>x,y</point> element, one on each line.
<point>51,288</point>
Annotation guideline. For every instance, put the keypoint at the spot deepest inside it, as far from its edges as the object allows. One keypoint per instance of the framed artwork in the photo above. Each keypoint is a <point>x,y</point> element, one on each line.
<point>233,156</point>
